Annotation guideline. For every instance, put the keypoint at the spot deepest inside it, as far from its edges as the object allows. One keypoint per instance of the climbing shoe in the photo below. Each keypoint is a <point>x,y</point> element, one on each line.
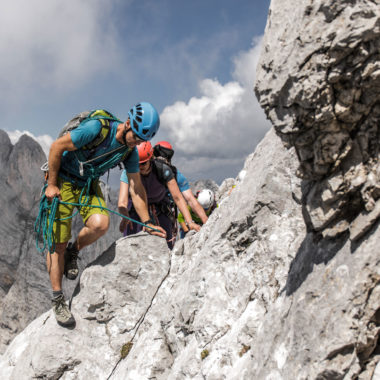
<point>62,312</point>
<point>71,266</point>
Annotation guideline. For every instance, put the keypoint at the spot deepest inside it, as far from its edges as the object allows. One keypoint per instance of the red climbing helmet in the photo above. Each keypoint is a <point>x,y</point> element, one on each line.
<point>163,149</point>
<point>145,151</point>
<point>165,144</point>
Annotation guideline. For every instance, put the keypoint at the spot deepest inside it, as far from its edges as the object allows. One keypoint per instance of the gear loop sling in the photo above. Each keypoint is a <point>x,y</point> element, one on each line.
<point>43,226</point>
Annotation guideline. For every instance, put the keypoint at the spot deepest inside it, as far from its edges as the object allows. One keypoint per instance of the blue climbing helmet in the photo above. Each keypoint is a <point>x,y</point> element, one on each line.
<point>144,120</point>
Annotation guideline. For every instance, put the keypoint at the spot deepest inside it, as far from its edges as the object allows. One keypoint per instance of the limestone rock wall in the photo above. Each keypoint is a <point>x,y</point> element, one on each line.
<point>20,269</point>
<point>283,281</point>
<point>253,295</point>
<point>209,295</point>
<point>318,81</point>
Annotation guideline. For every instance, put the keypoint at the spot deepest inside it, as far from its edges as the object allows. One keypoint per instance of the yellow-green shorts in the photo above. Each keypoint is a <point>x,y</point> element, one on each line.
<point>71,193</point>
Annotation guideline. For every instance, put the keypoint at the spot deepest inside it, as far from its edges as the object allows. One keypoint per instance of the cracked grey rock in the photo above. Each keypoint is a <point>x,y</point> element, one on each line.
<point>116,292</point>
<point>273,286</point>
<point>254,294</point>
<point>20,272</point>
<point>318,82</point>
<point>213,298</point>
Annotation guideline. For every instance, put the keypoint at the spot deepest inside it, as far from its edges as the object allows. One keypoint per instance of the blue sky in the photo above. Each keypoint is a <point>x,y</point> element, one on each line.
<point>194,60</point>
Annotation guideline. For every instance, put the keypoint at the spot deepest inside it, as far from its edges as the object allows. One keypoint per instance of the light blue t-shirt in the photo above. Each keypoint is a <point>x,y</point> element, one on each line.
<point>183,184</point>
<point>124,177</point>
<point>82,136</point>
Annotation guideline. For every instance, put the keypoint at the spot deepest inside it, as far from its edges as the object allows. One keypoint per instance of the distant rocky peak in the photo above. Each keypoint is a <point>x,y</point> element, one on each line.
<point>27,145</point>
<point>23,172</point>
<point>5,147</point>
<point>205,184</point>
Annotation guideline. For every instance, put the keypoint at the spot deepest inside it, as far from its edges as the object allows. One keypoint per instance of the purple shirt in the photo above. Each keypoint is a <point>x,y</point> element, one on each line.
<point>155,190</point>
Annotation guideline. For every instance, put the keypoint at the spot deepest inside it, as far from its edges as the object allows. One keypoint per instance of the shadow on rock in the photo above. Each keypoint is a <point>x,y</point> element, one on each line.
<point>70,327</point>
<point>356,244</point>
<point>104,259</point>
<point>314,250</point>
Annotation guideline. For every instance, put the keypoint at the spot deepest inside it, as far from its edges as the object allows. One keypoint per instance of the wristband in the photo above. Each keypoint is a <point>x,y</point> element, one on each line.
<point>187,224</point>
<point>149,221</point>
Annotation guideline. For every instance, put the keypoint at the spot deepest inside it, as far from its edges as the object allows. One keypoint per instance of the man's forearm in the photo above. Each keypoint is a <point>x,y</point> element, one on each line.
<point>182,207</point>
<point>198,209</point>
<point>140,201</point>
<point>141,208</point>
<point>122,203</point>
<point>184,227</point>
<point>54,164</point>
<point>195,206</point>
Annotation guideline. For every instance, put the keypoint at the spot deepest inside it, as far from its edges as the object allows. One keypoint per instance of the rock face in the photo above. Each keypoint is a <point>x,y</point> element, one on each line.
<point>211,293</point>
<point>24,283</point>
<point>318,80</point>
<point>204,184</point>
<point>107,316</point>
<point>252,295</point>
<point>21,267</point>
<point>283,281</point>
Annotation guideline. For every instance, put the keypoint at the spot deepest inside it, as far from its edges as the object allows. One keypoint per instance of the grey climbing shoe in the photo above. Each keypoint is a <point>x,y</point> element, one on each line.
<point>71,266</point>
<point>62,312</point>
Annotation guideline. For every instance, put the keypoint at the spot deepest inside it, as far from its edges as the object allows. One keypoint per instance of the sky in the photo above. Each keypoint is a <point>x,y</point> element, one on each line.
<point>193,60</point>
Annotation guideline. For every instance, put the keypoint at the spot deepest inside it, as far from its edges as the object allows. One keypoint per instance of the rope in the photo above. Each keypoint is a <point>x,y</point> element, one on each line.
<point>43,226</point>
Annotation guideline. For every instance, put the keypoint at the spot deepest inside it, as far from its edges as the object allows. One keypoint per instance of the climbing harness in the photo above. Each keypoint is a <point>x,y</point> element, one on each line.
<point>102,168</point>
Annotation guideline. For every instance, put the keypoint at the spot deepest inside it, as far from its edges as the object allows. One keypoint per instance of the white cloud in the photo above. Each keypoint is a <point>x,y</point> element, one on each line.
<point>53,44</point>
<point>224,124</point>
<point>44,140</point>
<point>195,127</point>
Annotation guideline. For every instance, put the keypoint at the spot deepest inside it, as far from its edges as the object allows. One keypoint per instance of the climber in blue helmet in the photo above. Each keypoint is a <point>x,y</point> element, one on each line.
<point>76,161</point>
<point>144,121</point>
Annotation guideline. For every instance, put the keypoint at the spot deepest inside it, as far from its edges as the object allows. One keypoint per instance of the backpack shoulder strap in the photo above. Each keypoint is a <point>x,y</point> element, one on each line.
<point>163,171</point>
<point>102,114</point>
<point>105,118</point>
<point>126,155</point>
<point>102,135</point>
<point>174,169</point>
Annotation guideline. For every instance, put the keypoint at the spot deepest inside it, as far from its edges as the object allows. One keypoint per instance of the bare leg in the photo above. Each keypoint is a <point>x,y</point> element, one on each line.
<point>96,226</point>
<point>55,263</point>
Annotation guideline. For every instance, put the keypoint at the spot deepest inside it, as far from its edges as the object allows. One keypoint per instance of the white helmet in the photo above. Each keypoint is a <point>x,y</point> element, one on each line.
<point>241,175</point>
<point>206,198</point>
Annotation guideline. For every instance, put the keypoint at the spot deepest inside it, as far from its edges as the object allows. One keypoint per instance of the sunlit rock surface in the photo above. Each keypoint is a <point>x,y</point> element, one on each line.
<point>252,295</point>
<point>318,81</point>
<point>283,280</point>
